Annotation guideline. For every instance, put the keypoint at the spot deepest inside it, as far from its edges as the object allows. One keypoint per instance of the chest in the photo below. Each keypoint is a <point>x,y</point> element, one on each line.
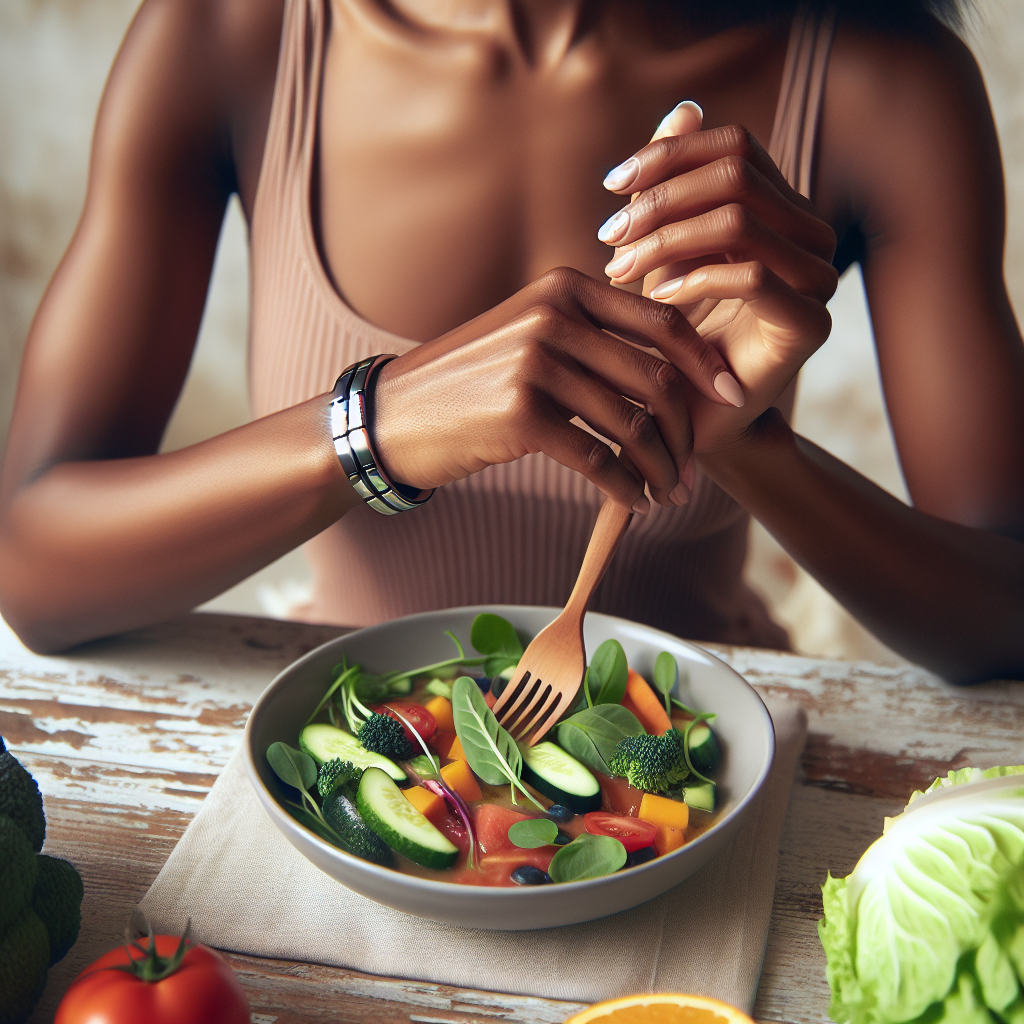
<point>450,172</point>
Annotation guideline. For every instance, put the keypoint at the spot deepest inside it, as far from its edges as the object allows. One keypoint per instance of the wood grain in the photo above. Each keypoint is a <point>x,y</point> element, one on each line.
<point>126,737</point>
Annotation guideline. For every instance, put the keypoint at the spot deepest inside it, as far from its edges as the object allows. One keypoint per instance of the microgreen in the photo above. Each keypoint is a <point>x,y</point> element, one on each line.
<point>587,856</point>
<point>666,675</point>
<point>496,639</point>
<point>297,769</point>
<point>533,833</point>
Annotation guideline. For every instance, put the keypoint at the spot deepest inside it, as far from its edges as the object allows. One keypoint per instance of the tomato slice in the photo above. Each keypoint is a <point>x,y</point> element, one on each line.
<point>415,714</point>
<point>633,833</point>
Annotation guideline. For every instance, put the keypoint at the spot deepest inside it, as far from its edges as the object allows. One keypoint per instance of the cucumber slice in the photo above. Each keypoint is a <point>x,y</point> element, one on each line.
<point>551,771</point>
<point>703,748</point>
<point>701,797</point>
<point>324,743</point>
<point>355,836</point>
<point>384,807</point>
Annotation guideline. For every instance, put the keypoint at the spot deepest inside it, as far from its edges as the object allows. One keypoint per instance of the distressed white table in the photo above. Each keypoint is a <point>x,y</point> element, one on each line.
<point>126,736</point>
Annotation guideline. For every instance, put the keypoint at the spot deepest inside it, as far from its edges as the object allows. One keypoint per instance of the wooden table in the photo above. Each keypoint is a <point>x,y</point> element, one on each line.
<point>126,737</point>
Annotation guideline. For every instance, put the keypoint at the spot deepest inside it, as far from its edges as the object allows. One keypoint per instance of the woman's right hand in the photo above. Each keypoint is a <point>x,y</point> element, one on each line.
<point>509,383</point>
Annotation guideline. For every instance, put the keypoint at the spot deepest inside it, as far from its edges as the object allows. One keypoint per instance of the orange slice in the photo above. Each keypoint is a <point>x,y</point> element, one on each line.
<point>662,1008</point>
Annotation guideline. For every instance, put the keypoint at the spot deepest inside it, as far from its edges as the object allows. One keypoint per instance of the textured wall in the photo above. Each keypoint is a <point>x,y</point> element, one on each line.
<point>54,55</point>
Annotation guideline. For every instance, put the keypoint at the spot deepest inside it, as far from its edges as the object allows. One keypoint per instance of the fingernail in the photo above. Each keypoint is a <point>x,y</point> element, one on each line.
<point>622,176</point>
<point>673,124</point>
<point>666,121</point>
<point>680,494</point>
<point>614,227</point>
<point>668,288</point>
<point>621,264</point>
<point>728,387</point>
<point>642,505</point>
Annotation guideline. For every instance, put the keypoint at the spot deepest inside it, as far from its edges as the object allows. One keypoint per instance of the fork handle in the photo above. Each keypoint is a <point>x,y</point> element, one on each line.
<point>612,521</point>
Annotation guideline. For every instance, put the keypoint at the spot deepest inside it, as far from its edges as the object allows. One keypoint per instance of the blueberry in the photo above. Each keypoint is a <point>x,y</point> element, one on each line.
<point>529,875</point>
<point>640,856</point>
<point>484,683</point>
<point>562,839</point>
<point>498,684</point>
<point>556,812</point>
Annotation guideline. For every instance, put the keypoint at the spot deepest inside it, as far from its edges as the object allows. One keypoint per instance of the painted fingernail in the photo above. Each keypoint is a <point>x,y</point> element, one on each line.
<point>689,105</point>
<point>728,387</point>
<point>668,288</point>
<point>622,263</point>
<point>680,494</point>
<point>614,227</point>
<point>642,505</point>
<point>622,176</point>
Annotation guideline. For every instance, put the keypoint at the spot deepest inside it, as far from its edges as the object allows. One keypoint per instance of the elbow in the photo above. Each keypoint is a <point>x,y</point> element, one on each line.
<point>32,615</point>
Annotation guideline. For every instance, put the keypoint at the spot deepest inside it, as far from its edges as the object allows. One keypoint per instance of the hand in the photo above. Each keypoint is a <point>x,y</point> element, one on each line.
<point>509,382</point>
<point>715,230</point>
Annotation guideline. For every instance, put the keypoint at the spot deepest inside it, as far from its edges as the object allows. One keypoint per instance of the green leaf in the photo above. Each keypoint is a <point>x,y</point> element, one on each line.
<point>608,673</point>
<point>439,688</point>
<point>587,856</point>
<point>592,735</point>
<point>490,750</point>
<point>423,767</point>
<point>495,637</point>
<point>533,833</point>
<point>293,767</point>
<point>666,675</point>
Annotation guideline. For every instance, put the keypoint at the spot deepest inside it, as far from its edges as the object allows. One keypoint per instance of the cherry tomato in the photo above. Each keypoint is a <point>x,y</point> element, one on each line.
<point>633,833</point>
<point>202,990</point>
<point>415,714</point>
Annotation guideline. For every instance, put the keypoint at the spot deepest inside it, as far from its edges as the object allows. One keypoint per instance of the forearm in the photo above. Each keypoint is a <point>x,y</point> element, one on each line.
<point>93,548</point>
<point>944,595</point>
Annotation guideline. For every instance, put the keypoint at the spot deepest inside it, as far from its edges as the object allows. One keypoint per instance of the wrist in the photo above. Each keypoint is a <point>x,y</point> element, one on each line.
<point>755,453</point>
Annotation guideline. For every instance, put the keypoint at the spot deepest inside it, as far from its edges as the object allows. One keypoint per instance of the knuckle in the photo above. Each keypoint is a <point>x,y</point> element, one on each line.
<point>738,140</point>
<point>664,379</point>
<point>639,427</point>
<point>736,174</point>
<point>542,320</point>
<point>561,282</point>
<point>756,277</point>
<point>598,458</point>
<point>653,203</point>
<point>736,223</point>
<point>660,317</point>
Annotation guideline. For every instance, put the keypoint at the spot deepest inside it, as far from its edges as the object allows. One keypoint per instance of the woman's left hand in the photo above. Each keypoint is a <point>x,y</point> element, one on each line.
<point>715,229</point>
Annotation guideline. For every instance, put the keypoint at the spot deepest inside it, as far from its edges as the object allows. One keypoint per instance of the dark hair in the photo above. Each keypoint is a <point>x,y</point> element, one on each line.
<point>892,15</point>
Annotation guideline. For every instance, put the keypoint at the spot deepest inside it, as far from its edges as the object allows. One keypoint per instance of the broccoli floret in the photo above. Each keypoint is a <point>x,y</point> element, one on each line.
<point>24,960</point>
<point>18,872</point>
<point>57,900</point>
<point>337,775</point>
<point>20,799</point>
<point>383,735</point>
<point>654,764</point>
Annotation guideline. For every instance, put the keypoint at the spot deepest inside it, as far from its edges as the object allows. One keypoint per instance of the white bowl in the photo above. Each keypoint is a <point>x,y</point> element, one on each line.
<point>743,727</point>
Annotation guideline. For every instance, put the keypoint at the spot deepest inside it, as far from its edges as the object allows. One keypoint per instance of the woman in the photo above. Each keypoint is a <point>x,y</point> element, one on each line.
<point>405,168</point>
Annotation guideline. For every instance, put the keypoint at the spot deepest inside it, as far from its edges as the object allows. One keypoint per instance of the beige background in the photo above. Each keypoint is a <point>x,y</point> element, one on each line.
<point>54,55</point>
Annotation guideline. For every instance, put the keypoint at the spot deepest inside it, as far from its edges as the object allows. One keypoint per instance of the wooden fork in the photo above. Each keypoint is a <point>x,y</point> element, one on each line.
<point>549,674</point>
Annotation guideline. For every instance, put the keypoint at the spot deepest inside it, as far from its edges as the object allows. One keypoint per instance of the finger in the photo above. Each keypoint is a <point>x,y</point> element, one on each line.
<point>683,118</point>
<point>740,235</point>
<point>728,180</point>
<point>770,298</point>
<point>636,319</point>
<point>587,455</point>
<point>676,154</point>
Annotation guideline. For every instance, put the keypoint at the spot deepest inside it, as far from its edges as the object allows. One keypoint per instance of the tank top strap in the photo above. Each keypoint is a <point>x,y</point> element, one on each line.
<point>803,85</point>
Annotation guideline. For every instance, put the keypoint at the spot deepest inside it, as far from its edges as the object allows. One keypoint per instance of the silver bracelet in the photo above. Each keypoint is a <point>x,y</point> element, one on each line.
<point>349,428</point>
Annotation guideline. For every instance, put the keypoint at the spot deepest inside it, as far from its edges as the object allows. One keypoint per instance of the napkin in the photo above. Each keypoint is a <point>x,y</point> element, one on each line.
<point>248,890</point>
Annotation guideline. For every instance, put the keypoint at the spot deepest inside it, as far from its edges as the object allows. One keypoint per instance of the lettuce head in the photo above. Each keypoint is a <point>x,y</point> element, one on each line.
<point>929,927</point>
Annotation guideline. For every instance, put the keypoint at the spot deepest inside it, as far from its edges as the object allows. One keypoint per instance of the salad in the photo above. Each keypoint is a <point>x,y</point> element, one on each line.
<point>411,770</point>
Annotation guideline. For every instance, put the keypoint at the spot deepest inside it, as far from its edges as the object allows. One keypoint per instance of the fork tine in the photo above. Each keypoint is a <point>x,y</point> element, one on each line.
<point>523,692</point>
<point>546,713</point>
<point>538,700</point>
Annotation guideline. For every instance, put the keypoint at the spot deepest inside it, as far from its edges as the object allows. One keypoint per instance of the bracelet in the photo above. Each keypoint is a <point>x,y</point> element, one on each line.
<point>349,422</point>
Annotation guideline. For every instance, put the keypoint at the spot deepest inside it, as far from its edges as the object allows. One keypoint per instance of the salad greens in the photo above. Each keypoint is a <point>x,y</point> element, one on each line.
<point>587,856</point>
<point>666,675</point>
<point>490,750</point>
<point>929,927</point>
<point>497,640</point>
<point>591,735</point>
<point>607,675</point>
<point>533,833</point>
<point>297,769</point>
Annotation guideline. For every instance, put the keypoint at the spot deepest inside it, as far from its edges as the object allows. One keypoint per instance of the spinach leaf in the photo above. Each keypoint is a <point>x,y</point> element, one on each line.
<point>490,750</point>
<point>666,675</point>
<point>293,767</point>
<point>587,856</point>
<point>608,672</point>
<point>495,638</point>
<point>591,735</point>
<point>533,833</point>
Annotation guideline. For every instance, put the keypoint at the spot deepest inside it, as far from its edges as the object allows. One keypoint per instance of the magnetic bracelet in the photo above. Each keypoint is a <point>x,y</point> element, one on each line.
<point>349,428</point>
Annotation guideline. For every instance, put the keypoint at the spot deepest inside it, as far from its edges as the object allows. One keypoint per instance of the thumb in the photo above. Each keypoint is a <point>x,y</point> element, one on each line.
<point>682,119</point>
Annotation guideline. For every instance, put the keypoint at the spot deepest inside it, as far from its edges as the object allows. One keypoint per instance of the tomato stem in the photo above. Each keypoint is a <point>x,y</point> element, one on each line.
<point>150,966</point>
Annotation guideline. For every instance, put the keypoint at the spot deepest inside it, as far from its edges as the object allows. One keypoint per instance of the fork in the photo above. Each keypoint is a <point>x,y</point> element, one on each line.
<point>551,670</point>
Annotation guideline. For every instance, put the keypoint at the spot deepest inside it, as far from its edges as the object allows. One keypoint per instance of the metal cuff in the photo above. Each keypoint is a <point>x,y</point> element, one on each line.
<point>349,428</point>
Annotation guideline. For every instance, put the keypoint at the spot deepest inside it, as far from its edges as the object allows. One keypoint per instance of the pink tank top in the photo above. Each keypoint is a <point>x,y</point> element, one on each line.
<point>511,534</point>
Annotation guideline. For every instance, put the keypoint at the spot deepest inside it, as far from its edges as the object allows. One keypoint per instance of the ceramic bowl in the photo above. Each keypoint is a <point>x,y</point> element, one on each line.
<point>743,727</point>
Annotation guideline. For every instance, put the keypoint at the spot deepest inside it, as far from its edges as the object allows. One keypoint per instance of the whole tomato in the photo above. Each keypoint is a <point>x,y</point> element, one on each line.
<point>168,981</point>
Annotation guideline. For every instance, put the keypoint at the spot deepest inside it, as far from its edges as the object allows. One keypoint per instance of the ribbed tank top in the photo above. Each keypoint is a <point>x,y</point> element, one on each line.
<point>514,533</point>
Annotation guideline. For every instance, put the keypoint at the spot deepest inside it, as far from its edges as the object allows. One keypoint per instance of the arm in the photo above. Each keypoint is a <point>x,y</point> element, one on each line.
<point>907,150</point>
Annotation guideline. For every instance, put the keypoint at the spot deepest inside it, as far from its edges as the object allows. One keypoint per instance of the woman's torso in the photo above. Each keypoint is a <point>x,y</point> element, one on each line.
<point>424,176</point>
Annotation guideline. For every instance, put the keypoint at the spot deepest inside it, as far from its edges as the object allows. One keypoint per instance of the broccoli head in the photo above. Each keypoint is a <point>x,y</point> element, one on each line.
<point>57,901</point>
<point>651,763</point>
<point>337,775</point>
<point>20,799</point>
<point>24,961</point>
<point>383,735</point>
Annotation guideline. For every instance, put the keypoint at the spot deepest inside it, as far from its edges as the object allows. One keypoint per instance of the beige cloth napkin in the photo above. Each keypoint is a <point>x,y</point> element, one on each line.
<point>248,890</point>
